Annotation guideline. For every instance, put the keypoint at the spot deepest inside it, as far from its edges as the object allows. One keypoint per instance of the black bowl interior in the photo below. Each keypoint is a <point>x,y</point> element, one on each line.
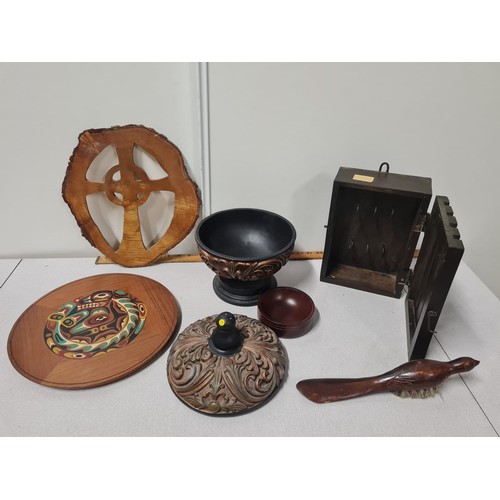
<point>245,234</point>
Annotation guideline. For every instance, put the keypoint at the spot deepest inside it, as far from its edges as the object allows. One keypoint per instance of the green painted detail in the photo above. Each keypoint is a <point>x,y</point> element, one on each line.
<point>71,323</point>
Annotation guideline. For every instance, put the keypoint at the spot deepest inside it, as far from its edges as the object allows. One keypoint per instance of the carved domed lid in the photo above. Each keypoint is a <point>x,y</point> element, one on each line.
<point>222,385</point>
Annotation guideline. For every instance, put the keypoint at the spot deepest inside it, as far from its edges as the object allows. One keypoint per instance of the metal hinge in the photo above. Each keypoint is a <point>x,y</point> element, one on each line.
<point>406,277</point>
<point>421,222</point>
<point>430,318</point>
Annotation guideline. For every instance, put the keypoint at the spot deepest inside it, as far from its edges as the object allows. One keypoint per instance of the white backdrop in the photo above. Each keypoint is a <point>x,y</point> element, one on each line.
<point>43,109</point>
<point>278,133</point>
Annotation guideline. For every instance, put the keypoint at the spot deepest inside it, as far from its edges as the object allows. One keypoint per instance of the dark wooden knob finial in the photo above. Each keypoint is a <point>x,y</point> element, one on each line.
<point>226,339</point>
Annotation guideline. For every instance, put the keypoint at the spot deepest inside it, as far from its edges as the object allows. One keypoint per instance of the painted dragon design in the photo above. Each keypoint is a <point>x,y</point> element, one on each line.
<point>93,325</point>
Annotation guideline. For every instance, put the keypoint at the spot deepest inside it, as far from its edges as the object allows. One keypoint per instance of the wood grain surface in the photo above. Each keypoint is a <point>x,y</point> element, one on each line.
<point>195,257</point>
<point>127,185</point>
<point>30,355</point>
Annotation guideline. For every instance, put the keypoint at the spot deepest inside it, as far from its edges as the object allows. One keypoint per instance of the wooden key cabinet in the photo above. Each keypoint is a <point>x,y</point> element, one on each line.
<point>375,222</point>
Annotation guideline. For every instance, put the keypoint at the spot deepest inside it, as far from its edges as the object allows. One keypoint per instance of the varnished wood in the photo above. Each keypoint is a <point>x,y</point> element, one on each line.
<point>130,191</point>
<point>30,355</point>
<point>195,257</point>
<point>412,377</point>
<point>373,229</point>
<point>439,258</point>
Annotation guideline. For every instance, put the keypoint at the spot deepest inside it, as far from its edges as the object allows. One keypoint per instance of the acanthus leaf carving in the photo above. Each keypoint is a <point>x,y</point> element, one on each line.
<point>222,385</point>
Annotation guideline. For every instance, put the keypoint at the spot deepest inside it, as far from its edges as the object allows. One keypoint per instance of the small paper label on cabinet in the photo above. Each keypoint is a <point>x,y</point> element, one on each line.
<point>363,178</point>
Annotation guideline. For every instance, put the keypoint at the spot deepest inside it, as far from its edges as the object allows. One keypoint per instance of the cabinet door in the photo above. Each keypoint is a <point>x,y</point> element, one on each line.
<point>438,261</point>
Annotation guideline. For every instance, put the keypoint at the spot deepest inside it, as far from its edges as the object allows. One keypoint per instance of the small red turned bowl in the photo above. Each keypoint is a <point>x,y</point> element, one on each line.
<point>288,311</point>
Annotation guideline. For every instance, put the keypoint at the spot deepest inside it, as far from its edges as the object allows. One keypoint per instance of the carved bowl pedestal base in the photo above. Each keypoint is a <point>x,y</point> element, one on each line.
<point>244,247</point>
<point>242,293</point>
<point>225,385</point>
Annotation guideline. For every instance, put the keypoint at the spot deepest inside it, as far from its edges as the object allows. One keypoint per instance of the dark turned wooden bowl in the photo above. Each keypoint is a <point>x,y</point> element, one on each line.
<point>244,247</point>
<point>288,311</point>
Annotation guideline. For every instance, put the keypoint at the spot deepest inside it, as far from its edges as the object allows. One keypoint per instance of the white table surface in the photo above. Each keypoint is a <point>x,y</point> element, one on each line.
<point>7,266</point>
<point>358,334</point>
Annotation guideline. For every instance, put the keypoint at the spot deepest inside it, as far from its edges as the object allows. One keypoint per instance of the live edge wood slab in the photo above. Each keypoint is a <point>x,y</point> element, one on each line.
<point>93,331</point>
<point>128,186</point>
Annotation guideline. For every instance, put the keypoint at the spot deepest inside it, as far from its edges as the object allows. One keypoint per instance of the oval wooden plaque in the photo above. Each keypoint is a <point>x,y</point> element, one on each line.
<point>119,323</point>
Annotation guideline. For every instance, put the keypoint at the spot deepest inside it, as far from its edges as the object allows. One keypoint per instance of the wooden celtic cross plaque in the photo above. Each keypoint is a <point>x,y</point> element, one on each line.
<point>128,186</point>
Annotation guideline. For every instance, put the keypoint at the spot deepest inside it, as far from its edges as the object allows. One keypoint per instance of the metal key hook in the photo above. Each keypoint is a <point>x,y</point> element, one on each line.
<point>386,165</point>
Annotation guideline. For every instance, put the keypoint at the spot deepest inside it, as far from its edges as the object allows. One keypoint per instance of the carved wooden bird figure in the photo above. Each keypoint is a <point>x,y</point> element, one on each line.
<point>418,378</point>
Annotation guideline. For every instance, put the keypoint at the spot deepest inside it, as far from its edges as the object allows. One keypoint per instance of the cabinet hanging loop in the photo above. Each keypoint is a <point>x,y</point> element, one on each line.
<point>386,165</point>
